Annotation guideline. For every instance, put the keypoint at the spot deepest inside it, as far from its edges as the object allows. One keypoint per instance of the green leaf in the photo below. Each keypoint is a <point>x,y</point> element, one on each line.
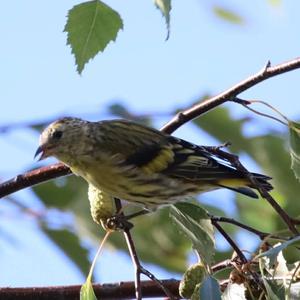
<point>61,192</point>
<point>271,154</point>
<point>70,244</point>
<point>173,248</point>
<point>191,278</point>
<point>228,15</point>
<point>194,222</point>
<point>87,291</point>
<point>220,125</point>
<point>295,147</point>
<point>274,291</point>
<point>90,27</point>
<point>120,110</point>
<point>210,289</point>
<point>165,7</point>
<point>273,252</point>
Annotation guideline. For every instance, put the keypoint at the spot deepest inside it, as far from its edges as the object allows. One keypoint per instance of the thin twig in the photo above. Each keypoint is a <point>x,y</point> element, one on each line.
<point>32,178</point>
<point>132,252</point>
<point>267,72</point>
<point>246,103</point>
<point>262,235</point>
<point>230,241</point>
<point>136,263</point>
<point>239,253</point>
<point>139,269</point>
<point>262,191</point>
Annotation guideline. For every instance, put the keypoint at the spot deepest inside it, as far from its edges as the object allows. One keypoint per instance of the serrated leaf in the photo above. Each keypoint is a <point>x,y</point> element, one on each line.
<point>194,222</point>
<point>295,147</point>
<point>165,7</point>
<point>87,291</point>
<point>70,244</point>
<point>273,252</point>
<point>210,289</point>
<point>228,15</point>
<point>90,27</point>
<point>234,291</point>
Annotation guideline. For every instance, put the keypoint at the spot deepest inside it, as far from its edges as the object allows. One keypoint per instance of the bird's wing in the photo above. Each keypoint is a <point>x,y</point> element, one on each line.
<point>194,162</point>
<point>131,140</point>
<point>156,152</point>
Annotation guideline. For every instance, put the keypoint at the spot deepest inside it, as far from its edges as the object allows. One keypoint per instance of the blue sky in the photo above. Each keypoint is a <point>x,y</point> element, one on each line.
<point>203,55</point>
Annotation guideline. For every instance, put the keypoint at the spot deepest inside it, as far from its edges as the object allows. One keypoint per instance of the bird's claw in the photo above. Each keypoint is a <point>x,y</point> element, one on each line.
<point>117,223</point>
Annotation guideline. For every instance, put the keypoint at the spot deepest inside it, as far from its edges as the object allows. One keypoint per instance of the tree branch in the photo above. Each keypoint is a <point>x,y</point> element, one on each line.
<point>139,269</point>
<point>260,188</point>
<point>121,290</point>
<point>267,72</point>
<point>262,235</point>
<point>46,173</point>
<point>230,241</point>
<point>32,178</point>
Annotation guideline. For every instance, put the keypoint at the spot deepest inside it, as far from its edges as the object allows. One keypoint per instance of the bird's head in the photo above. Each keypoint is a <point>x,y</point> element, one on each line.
<point>60,137</point>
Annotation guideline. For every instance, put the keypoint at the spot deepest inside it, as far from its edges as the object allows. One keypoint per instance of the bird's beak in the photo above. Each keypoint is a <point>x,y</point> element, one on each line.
<point>41,150</point>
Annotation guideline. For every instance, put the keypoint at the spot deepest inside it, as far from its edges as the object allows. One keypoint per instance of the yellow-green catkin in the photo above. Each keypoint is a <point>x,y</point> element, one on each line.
<point>191,278</point>
<point>196,293</point>
<point>102,205</point>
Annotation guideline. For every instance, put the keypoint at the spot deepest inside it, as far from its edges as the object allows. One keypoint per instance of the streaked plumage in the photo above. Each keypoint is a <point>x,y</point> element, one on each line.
<point>139,164</point>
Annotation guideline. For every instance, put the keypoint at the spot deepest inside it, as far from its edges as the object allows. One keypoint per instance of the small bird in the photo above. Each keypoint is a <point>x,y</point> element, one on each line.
<point>139,164</point>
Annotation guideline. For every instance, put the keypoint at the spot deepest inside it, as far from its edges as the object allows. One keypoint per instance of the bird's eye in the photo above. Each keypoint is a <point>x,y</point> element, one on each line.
<point>57,134</point>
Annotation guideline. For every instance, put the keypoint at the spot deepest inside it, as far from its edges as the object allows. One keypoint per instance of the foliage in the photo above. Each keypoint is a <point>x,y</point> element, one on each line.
<point>295,147</point>
<point>92,25</point>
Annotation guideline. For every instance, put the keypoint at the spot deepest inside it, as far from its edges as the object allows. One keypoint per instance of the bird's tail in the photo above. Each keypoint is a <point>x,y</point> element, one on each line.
<point>243,186</point>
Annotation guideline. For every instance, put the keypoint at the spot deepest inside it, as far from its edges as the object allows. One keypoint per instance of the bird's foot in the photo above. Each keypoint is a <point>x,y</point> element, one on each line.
<point>117,222</point>
<point>121,222</point>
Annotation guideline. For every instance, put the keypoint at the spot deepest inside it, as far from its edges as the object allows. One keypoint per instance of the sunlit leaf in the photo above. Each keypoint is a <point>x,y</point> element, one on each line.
<point>165,7</point>
<point>228,15</point>
<point>210,289</point>
<point>273,252</point>
<point>295,147</point>
<point>87,291</point>
<point>90,27</point>
<point>194,222</point>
